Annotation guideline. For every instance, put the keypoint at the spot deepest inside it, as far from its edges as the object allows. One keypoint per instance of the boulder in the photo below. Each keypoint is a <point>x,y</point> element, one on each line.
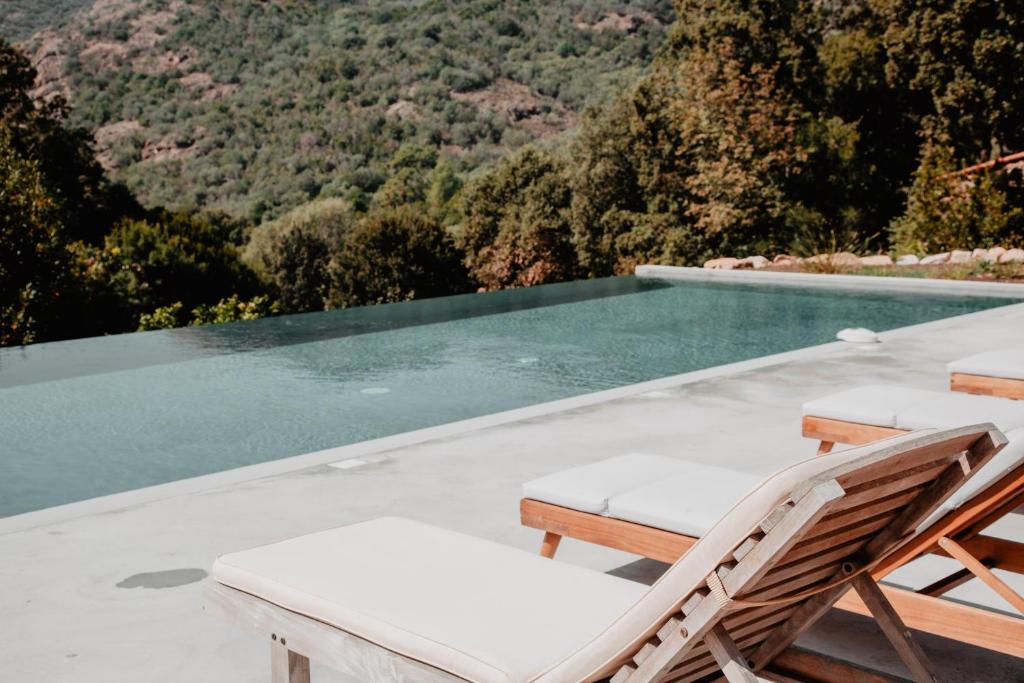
<point>960,256</point>
<point>933,259</point>
<point>994,253</point>
<point>877,260</point>
<point>842,258</point>
<point>785,260</point>
<point>1012,256</point>
<point>727,263</point>
<point>908,260</point>
<point>755,262</point>
<point>979,254</point>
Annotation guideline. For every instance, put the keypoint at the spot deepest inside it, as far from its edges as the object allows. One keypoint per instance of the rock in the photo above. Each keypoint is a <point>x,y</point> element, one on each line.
<point>933,259</point>
<point>908,260</point>
<point>994,253</point>
<point>727,263</point>
<point>784,260</point>
<point>879,260</point>
<point>842,258</point>
<point>755,262</point>
<point>857,335</point>
<point>1012,256</point>
<point>960,256</point>
<point>979,254</point>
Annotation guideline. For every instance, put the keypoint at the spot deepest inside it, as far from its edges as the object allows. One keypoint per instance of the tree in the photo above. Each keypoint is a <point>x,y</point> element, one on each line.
<point>961,59</point>
<point>947,211</point>
<point>297,267</point>
<point>174,257</point>
<point>516,230</point>
<point>34,260</point>
<point>396,255</point>
<point>89,203</point>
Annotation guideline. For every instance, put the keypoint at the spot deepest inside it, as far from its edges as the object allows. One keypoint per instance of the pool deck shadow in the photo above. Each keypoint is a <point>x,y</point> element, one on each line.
<point>65,617</point>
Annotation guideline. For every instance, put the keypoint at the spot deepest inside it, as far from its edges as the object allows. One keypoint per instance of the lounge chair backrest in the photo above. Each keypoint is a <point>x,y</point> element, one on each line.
<point>801,535</point>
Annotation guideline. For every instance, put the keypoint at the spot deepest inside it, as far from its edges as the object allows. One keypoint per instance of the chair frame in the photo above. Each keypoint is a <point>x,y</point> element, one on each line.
<point>987,385</point>
<point>958,534</point>
<point>742,619</point>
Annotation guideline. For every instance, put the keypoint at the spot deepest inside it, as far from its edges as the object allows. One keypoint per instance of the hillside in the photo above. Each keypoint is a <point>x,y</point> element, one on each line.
<point>257,107</point>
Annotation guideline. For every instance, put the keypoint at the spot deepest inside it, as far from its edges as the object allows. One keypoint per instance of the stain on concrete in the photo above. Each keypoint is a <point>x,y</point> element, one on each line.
<point>169,578</point>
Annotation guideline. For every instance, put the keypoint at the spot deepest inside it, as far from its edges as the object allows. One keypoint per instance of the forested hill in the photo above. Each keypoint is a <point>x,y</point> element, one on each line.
<point>257,107</point>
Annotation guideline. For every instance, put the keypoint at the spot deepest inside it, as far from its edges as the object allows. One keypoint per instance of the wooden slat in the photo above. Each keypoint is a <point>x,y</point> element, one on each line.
<point>987,386</point>
<point>656,544</point>
<point>1000,553</point>
<point>847,514</point>
<point>840,431</point>
<point>787,531</point>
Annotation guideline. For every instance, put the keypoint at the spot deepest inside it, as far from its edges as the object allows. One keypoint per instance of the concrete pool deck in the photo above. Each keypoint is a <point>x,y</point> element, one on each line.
<point>110,591</point>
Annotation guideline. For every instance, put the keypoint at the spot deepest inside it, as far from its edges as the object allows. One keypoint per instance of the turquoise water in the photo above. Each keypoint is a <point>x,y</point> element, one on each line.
<point>96,416</point>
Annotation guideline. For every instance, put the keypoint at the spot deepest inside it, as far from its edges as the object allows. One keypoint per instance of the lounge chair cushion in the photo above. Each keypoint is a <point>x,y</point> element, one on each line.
<point>944,410</point>
<point>872,404</point>
<point>908,408</point>
<point>472,607</point>
<point>589,487</point>
<point>1004,363</point>
<point>689,503</point>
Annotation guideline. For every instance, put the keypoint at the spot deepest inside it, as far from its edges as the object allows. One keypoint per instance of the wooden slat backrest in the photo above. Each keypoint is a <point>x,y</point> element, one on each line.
<point>896,487</point>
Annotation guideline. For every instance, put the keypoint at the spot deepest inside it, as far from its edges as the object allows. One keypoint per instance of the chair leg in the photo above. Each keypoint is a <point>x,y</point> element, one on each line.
<point>287,666</point>
<point>730,660</point>
<point>979,569</point>
<point>825,447</point>
<point>894,629</point>
<point>549,546</point>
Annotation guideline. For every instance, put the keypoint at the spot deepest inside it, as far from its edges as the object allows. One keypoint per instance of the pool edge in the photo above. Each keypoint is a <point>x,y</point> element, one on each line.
<point>972,288</point>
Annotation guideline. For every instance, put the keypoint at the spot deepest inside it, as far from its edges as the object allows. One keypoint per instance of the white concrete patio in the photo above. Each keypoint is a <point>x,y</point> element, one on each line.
<point>65,618</point>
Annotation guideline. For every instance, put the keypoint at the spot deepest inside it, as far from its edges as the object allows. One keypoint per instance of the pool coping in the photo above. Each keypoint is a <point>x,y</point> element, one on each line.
<point>126,499</point>
<point>829,281</point>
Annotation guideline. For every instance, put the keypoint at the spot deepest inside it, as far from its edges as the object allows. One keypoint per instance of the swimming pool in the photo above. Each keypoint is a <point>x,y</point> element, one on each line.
<point>95,416</point>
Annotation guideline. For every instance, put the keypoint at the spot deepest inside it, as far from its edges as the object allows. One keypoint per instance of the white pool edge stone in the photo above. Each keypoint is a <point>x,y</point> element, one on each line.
<point>855,282</point>
<point>126,499</point>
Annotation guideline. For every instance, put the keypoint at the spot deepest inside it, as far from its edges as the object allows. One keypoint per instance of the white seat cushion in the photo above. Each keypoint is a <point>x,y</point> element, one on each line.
<point>946,410</point>
<point>589,487</point>
<point>688,503</point>
<point>872,404</point>
<point>1005,363</point>
<point>474,608</point>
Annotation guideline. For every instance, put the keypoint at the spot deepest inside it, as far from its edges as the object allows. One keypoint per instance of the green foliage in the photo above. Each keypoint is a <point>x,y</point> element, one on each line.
<point>955,212</point>
<point>281,103</point>
<point>232,309</point>
<point>327,219</point>
<point>33,259</point>
<point>176,257</point>
<point>297,266</point>
<point>516,231</point>
<point>63,154</point>
<point>962,58</point>
<point>21,18</point>
<point>162,318</point>
<point>226,310</point>
<point>396,255</point>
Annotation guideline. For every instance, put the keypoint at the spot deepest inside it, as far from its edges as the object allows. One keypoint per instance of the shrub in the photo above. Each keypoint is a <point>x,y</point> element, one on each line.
<point>396,255</point>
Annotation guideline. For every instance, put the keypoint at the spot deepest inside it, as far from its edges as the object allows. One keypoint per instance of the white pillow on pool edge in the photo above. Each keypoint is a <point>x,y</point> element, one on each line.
<point>857,335</point>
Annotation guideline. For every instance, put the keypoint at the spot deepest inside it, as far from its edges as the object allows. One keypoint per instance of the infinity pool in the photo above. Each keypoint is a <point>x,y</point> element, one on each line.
<point>96,416</point>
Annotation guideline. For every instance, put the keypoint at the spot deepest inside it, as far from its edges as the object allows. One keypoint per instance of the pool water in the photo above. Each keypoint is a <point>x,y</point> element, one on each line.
<point>96,416</point>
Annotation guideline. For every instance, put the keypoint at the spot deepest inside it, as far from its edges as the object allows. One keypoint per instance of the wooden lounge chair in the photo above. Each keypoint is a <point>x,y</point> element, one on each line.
<point>393,599</point>
<point>992,373</point>
<point>632,503</point>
